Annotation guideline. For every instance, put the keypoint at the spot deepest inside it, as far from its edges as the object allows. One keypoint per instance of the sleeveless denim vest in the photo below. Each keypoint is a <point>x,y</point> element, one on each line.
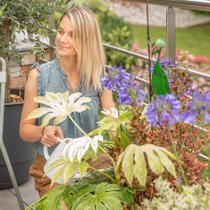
<point>52,78</point>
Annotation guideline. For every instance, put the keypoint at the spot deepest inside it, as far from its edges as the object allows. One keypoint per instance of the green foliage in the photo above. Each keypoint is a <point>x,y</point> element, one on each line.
<point>51,200</point>
<point>20,15</point>
<point>160,84</point>
<point>114,31</point>
<point>80,196</point>
<point>134,164</point>
<point>204,13</point>
<point>108,123</point>
<point>192,39</point>
<point>101,196</point>
<point>193,197</point>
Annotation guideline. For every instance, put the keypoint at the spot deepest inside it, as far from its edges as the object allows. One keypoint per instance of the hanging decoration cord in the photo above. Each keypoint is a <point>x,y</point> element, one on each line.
<point>149,51</point>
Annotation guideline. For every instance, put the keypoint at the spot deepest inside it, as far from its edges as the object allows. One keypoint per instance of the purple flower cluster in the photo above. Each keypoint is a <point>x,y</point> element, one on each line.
<point>166,64</point>
<point>198,106</point>
<point>128,91</point>
<point>165,109</point>
<point>131,93</point>
<point>115,78</point>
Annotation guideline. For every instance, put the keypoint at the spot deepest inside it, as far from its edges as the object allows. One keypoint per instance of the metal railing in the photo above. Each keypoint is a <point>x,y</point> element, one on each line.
<point>202,5</point>
<point>144,57</point>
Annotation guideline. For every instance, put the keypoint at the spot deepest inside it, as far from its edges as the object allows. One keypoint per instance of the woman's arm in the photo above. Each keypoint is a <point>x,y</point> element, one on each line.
<point>106,99</point>
<point>29,131</point>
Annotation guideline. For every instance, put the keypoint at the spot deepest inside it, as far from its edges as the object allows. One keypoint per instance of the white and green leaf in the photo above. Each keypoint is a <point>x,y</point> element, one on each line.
<point>38,113</point>
<point>59,105</point>
<point>133,162</point>
<point>82,167</point>
<point>68,172</point>
<point>140,168</point>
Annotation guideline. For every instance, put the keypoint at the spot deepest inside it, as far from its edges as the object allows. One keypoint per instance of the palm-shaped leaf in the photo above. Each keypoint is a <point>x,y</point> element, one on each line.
<point>133,162</point>
<point>102,196</point>
<point>59,106</point>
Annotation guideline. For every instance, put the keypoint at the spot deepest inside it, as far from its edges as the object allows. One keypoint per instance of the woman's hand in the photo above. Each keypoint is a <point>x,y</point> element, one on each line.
<point>51,135</point>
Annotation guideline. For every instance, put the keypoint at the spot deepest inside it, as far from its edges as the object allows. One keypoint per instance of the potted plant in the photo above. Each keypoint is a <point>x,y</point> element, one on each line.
<point>153,136</point>
<point>27,17</point>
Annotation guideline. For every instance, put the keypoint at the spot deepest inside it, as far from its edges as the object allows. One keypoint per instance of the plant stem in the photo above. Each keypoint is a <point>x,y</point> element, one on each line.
<point>77,125</point>
<point>101,148</point>
<point>177,156</point>
<point>104,174</point>
<point>107,154</point>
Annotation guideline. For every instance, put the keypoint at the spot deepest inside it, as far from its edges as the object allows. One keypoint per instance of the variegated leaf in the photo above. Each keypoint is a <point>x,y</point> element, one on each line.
<point>134,163</point>
<point>166,162</point>
<point>154,162</point>
<point>140,168</point>
<point>58,174</point>
<point>59,119</point>
<point>119,160</point>
<point>42,100</point>
<point>69,171</point>
<point>38,113</point>
<point>47,119</point>
<point>127,163</point>
<point>55,164</point>
<point>82,167</point>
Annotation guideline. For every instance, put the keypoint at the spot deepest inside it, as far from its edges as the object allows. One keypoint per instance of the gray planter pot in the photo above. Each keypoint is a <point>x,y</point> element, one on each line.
<point>21,153</point>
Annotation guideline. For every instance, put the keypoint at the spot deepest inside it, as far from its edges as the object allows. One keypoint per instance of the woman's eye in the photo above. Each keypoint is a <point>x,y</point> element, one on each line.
<point>60,31</point>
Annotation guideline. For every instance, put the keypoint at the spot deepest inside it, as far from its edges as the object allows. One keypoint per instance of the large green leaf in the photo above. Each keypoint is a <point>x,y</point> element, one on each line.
<point>50,201</point>
<point>133,162</point>
<point>160,84</point>
<point>104,196</point>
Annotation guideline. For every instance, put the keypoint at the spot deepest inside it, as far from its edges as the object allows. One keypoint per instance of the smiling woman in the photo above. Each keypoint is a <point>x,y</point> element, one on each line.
<point>77,68</point>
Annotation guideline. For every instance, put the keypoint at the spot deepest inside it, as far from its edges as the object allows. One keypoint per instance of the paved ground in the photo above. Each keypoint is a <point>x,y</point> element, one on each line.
<point>135,12</point>
<point>8,199</point>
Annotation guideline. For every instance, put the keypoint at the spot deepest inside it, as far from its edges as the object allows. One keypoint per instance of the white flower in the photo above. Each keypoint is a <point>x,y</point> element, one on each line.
<point>112,113</point>
<point>59,106</point>
<point>77,148</point>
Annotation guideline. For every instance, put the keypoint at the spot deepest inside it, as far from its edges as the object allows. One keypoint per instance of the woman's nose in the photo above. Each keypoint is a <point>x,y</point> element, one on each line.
<point>64,38</point>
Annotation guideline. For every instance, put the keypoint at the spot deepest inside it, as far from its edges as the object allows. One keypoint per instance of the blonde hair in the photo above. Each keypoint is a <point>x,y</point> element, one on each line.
<point>87,42</point>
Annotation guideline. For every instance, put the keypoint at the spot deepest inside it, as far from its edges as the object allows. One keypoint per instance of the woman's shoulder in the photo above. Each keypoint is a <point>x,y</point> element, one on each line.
<point>45,66</point>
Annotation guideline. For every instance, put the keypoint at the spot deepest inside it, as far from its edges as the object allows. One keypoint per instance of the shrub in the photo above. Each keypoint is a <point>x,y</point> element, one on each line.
<point>193,197</point>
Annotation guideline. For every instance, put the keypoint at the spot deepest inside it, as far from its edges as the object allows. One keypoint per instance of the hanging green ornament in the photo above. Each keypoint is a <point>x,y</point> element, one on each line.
<point>160,84</point>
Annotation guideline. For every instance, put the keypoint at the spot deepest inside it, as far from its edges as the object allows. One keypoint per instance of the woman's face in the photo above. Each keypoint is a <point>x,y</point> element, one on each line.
<point>64,38</point>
